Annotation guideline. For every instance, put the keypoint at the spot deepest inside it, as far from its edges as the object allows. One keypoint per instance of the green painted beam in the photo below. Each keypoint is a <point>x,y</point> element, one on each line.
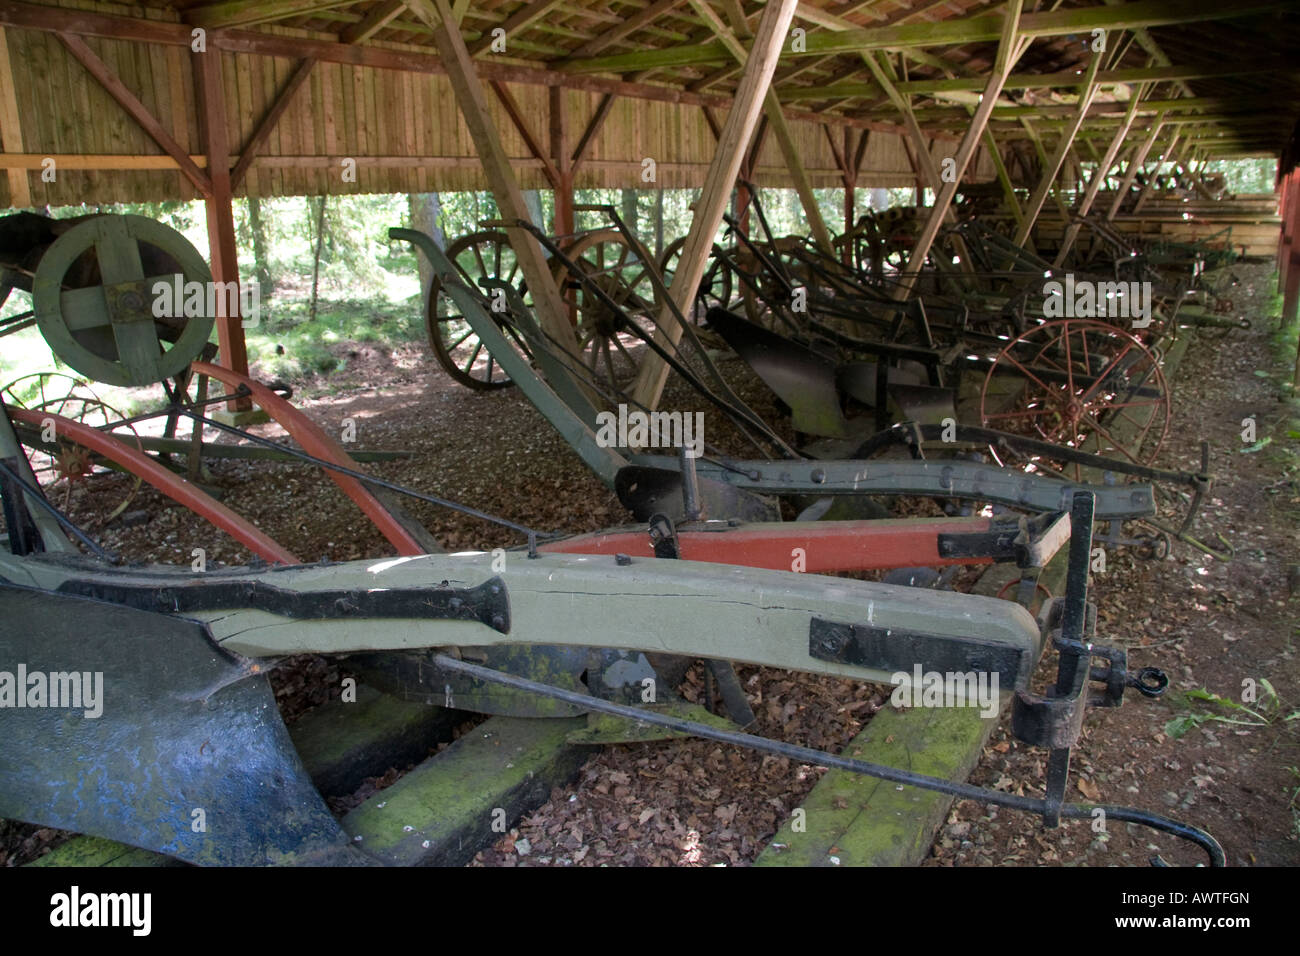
<point>982,28</point>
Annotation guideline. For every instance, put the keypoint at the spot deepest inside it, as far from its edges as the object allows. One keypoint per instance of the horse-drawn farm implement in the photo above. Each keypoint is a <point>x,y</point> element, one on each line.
<point>144,694</point>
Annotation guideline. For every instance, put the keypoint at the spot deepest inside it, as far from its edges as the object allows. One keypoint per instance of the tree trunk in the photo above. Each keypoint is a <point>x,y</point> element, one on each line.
<point>628,212</point>
<point>422,213</point>
<point>533,202</point>
<point>261,268</point>
<point>659,224</point>
<point>315,265</point>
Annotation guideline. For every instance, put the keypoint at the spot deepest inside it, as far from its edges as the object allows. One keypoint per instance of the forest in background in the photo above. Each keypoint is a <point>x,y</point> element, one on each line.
<point>329,275</point>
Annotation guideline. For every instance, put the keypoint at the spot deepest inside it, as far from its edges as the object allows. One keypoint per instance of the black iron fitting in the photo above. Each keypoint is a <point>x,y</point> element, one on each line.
<point>488,603</point>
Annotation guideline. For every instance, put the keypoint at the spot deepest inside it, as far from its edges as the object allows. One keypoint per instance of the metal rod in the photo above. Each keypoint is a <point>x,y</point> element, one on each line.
<point>823,759</point>
<point>38,496</point>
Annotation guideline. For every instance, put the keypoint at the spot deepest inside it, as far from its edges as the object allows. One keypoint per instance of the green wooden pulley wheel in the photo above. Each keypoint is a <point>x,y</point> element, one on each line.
<point>94,296</point>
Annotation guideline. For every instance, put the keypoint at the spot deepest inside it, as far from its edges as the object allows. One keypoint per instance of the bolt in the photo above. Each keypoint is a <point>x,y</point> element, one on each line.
<point>819,476</point>
<point>622,560</point>
<point>498,622</point>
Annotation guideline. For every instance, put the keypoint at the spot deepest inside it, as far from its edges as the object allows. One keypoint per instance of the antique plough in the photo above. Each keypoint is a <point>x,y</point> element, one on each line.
<point>134,700</point>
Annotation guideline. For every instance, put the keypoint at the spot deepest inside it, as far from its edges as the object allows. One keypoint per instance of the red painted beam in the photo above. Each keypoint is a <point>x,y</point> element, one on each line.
<point>173,486</point>
<point>826,545</point>
<point>315,441</point>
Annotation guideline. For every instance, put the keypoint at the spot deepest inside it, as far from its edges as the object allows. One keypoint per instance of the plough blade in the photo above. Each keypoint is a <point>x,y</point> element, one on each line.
<point>170,743</point>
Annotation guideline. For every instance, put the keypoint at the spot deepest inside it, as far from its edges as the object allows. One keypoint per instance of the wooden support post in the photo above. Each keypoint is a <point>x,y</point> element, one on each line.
<point>736,132</point>
<point>1009,50</point>
<point>1290,195</point>
<point>559,129</point>
<point>219,205</point>
<point>1134,165</point>
<point>1291,267</point>
<point>1008,190</point>
<point>470,97</point>
<point>1035,205</point>
<point>780,129</point>
<point>11,135</point>
<point>1099,177</point>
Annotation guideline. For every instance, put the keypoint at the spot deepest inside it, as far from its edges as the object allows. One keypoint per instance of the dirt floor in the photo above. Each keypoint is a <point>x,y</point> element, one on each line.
<point>1211,625</point>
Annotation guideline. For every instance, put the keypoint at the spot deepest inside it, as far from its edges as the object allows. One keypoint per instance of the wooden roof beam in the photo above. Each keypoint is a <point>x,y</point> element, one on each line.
<point>955,32</point>
<point>377,19</point>
<point>247,13</point>
<point>518,21</point>
<point>1010,49</point>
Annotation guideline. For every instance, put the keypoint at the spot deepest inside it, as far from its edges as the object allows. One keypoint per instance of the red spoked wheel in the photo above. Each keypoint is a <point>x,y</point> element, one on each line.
<point>1088,386</point>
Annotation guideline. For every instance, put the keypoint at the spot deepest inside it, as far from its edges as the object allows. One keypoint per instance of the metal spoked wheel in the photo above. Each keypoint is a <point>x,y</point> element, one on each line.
<point>1087,385</point>
<point>478,256</point>
<point>714,289</point>
<point>71,476</point>
<point>621,272</point>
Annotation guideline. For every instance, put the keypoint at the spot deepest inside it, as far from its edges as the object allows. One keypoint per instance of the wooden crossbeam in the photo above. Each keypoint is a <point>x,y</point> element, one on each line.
<point>593,129</point>
<point>525,132</point>
<point>769,37</point>
<point>115,88</point>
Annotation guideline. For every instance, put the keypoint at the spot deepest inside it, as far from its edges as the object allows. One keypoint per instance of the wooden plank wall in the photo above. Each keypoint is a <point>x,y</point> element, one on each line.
<point>403,129</point>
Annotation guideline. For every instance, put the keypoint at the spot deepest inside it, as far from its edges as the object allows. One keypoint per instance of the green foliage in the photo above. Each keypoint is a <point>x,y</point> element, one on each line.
<point>1246,175</point>
<point>1268,710</point>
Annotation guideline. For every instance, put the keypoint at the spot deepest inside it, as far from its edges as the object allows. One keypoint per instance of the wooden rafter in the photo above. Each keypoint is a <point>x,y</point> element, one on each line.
<point>1087,91</point>
<point>380,16</point>
<point>963,30</point>
<point>1010,48</point>
<point>517,22</point>
<point>1099,177</point>
<point>247,13</point>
